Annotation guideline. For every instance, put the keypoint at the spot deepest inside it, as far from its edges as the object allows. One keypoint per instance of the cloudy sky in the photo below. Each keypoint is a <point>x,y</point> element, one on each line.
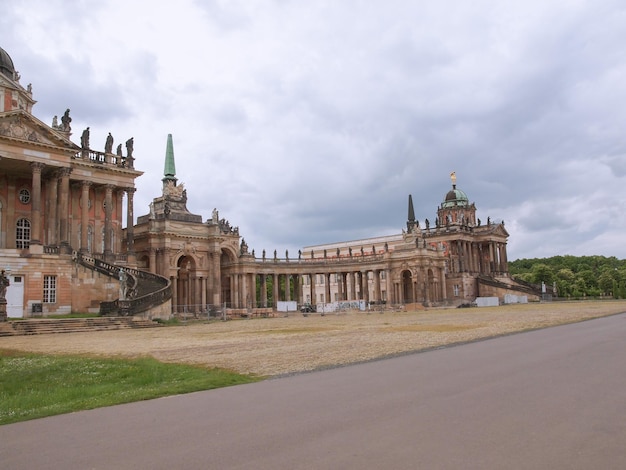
<point>308,122</point>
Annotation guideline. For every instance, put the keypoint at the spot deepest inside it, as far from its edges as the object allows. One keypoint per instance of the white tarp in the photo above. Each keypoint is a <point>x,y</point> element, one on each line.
<point>487,302</point>
<point>284,306</point>
<point>515,299</point>
<point>332,307</point>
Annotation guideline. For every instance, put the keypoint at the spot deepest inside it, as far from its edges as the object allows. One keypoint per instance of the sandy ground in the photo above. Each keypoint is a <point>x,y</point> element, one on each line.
<point>276,346</point>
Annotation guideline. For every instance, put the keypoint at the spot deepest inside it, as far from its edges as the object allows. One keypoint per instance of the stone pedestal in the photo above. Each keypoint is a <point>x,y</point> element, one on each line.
<point>3,310</point>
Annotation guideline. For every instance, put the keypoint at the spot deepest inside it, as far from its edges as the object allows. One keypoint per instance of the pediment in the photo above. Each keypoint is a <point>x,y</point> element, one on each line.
<point>23,127</point>
<point>500,230</point>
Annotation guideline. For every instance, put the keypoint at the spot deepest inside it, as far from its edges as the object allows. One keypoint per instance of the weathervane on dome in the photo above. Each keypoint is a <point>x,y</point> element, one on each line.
<point>453,178</point>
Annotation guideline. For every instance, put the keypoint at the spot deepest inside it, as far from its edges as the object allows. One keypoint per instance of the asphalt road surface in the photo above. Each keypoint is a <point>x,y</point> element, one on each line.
<point>547,399</point>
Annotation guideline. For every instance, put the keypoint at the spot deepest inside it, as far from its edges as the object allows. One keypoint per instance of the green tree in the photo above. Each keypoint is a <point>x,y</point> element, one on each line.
<point>542,273</point>
<point>606,282</point>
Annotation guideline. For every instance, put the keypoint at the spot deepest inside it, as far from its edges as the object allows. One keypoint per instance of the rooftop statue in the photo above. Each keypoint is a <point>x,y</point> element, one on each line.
<point>108,146</point>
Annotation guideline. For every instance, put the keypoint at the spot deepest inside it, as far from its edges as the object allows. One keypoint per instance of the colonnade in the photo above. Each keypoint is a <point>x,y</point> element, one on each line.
<point>57,216</point>
<point>194,291</point>
<point>481,257</point>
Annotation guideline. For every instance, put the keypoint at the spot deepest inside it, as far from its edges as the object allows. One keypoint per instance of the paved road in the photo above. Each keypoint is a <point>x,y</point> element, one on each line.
<point>549,399</point>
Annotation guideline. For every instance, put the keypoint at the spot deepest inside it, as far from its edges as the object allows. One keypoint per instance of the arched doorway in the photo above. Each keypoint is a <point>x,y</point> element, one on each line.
<point>407,287</point>
<point>185,285</point>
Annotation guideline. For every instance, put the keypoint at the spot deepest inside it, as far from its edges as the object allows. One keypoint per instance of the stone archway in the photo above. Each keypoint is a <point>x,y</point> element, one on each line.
<point>407,287</point>
<point>185,285</point>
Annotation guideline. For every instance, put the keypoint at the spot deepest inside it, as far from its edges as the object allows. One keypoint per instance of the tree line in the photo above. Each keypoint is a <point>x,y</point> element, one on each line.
<point>574,276</point>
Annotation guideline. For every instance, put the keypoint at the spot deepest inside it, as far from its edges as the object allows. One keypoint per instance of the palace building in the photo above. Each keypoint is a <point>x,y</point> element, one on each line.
<point>63,248</point>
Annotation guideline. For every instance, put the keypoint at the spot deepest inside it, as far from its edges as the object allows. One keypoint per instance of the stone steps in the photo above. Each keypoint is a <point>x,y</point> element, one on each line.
<point>71,325</point>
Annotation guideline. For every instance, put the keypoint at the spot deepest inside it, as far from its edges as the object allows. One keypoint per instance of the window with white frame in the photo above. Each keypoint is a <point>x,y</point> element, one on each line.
<point>49,289</point>
<point>24,196</point>
<point>22,234</point>
<point>456,290</point>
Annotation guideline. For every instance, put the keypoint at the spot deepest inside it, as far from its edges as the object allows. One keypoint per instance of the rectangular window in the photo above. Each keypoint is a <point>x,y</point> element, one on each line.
<point>456,290</point>
<point>49,289</point>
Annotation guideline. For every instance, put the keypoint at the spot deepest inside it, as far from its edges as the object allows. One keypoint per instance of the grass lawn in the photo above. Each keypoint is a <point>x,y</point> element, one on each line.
<point>37,385</point>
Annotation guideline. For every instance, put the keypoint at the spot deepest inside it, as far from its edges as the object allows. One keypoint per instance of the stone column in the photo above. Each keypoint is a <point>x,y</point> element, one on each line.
<point>365,286</point>
<point>130,233</point>
<point>217,278</point>
<point>174,284</point>
<point>501,258</point>
<point>297,289</point>
<point>202,285</point>
<point>389,287</point>
<point>313,295</point>
<point>352,275</point>
<point>244,289</point>
<point>287,288</point>
<point>108,211</point>
<point>276,290</point>
<point>199,294</point>
<point>327,278</point>
<point>426,285</point>
<point>264,290</point>
<point>53,235</point>
<point>35,237</point>
<point>64,208</point>
<point>377,285</point>
<point>235,293</point>
<point>84,217</point>
<point>442,282</point>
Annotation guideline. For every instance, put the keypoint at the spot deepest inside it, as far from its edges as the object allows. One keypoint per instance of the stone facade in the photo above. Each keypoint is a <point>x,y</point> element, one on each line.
<point>210,266</point>
<point>58,198</point>
<point>55,197</point>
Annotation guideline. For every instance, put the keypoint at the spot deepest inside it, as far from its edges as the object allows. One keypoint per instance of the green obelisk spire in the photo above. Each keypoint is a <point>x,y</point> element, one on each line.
<point>410,223</point>
<point>169,174</point>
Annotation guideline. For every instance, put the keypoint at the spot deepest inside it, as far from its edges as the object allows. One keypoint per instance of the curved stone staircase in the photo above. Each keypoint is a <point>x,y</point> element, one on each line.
<point>144,290</point>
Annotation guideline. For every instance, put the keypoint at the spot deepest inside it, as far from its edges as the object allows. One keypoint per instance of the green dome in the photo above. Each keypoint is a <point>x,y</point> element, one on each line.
<point>6,64</point>
<point>455,197</point>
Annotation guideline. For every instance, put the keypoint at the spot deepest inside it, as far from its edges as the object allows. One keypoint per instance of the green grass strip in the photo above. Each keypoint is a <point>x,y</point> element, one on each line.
<point>36,385</point>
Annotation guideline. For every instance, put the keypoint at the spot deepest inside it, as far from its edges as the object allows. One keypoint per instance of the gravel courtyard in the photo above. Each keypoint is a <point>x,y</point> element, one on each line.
<point>276,346</point>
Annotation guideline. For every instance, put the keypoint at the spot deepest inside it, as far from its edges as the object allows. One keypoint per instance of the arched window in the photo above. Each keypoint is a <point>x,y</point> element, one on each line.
<point>22,234</point>
<point>89,239</point>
